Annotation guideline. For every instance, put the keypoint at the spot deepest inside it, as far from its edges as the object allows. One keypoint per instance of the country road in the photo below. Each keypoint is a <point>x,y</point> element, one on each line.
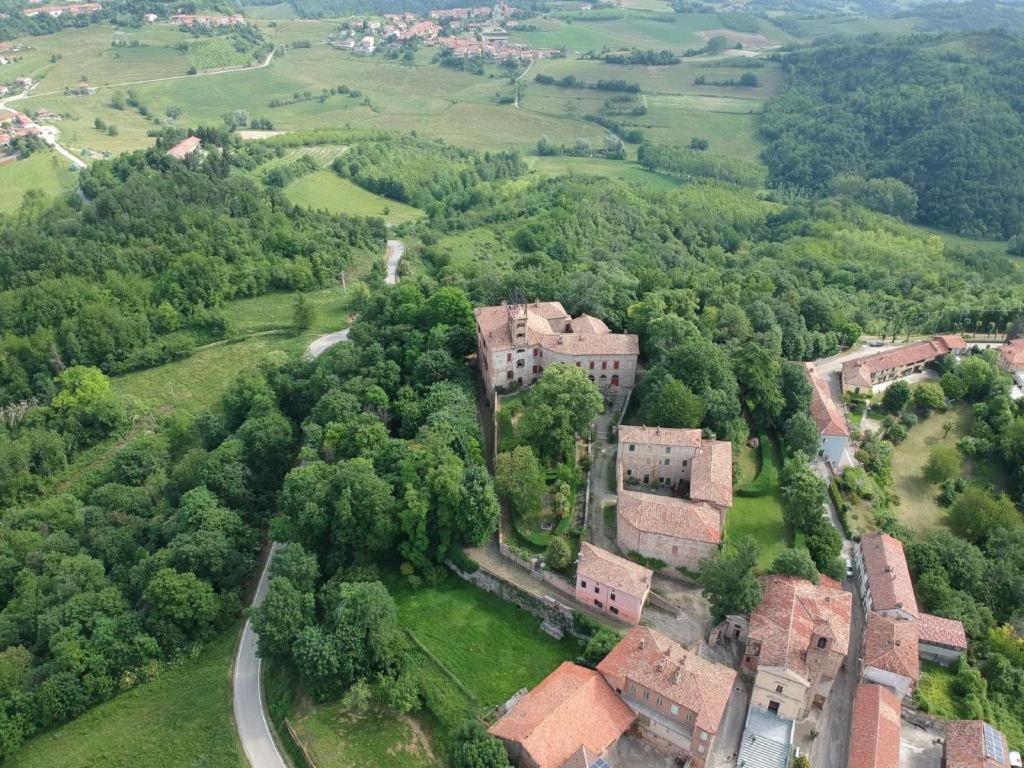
<point>250,715</point>
<point>395,252</point>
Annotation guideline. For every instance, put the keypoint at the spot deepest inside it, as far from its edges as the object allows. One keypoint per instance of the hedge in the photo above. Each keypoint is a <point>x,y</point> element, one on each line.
<point>841,505</point>
<point>463,562</point>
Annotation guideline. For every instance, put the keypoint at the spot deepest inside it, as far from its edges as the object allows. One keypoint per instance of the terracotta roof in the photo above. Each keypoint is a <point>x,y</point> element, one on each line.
<point>669,516</point>
<point>572,707</point>
<point>687,438</point>
<point>826,414</point>
<point>888,575</point>
<point>678,675</point>
<point>794,610</point>
<point>711,473</point>
<point>549,325</point>
<point>858,372</point>
<point>941,631</point>
<point>891,644</point>
<point>587,324</point>
<point>592,343</point>
<point>184,147</point>
<point>1012,354</point>
<point>875,730</point>
<point>614,571</point>
<point>968,747</point>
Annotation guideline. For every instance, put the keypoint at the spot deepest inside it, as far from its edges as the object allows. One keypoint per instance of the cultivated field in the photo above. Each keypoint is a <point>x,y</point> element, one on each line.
<point>216,53</point>
<point>183,718</point>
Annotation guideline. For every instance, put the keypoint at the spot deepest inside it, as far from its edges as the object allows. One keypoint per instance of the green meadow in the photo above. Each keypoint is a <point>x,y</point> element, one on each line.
<point>45,171</point>
<point>325,189</point>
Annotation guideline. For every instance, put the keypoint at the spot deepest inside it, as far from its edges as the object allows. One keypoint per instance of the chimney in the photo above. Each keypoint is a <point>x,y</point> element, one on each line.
<point>643,644</point>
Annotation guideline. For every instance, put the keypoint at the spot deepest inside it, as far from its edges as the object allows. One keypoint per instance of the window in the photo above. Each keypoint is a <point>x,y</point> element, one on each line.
<point>591,365</point>
<point>536,351</point>
<point>509,375</point>
<point>668,449</point>
<point>597,590</point>
<point>689,717</point>
<point>535,369</point>
<point>666,462</point>
<point>675,709</point>
<point>604,365</point>
<point>614,610</point>
<point>632,687</point>
<point>520,363</point>
<point>578,365</point>
<point>822,642</point>
<point>658,702</point>
<point>773,707</point>
<point>615,365</point>
<point>508,358</point>
<point>700,749</point>
<point>703,736</point>
<point>647,695</point>
<point>599,604</point>
<point>686,462</point>
<point>583,584</point>
<point>615,380</point>
<point>629,473</point>
<point>611,596</point>
<point>632,447</point>
<point>778,689</point>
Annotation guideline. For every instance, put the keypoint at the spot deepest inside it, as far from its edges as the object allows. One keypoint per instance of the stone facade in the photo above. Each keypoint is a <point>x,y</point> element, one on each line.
<point>673,550</point>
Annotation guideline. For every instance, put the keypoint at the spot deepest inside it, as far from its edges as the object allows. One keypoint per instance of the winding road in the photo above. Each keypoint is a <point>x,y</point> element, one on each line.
<point>254,729</point>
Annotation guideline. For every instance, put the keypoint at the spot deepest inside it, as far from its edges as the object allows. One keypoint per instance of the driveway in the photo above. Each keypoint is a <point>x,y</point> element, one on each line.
<point>920,747</point>
<point>321,344</point>
<point>730,730</point>
<point>395,252</point>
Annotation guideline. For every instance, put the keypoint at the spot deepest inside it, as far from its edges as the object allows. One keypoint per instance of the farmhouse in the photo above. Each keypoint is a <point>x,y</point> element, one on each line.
<point>572,714</point>
<point>689,480</point>
<point>611,583</point>
<point>875,730</point>
<point>974,744</point>
<point>1011,358</point>
<point>678,697</point>
<point>516,342</point>
<point>828,419</point>
<point>797,639</point>
<point>881,567</point>
<point>184,147</point>
<point>890,656</point>
<point>864,373</point>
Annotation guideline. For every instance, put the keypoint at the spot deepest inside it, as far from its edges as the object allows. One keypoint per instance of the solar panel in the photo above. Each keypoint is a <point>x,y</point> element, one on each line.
<point>994,744</point>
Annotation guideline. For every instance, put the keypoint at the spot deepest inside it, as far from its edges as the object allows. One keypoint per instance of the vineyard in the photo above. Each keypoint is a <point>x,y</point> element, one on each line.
<point>217,53</point>
<point>324,155</point>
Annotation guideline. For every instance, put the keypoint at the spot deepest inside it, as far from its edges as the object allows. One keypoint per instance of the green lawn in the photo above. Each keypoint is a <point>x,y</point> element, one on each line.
<point>918,508</point>
<point>44,170</point>
<point>492,646</point>
<point>183,718</point>
<point>326,189</point>
<point>274,310</point>
<point>614,169</point>
<point>337,738</point>
<point>759,516</point>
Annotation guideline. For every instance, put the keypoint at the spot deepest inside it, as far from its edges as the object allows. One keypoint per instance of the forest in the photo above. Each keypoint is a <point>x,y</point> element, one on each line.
<point>939,113</point>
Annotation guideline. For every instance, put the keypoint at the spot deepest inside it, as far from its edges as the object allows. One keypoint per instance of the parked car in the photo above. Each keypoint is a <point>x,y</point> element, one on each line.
<point>876,343</point>
<point>849,569</point>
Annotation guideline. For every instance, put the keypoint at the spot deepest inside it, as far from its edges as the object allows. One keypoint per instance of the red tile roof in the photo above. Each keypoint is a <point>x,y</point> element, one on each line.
<point>941,631</point>
<point>891,644</point>
<point>826,414</point>
<point>669,516</point>
<point>966,747</point>
<point>875,730</point>
<point>674,673</point>
<point>549,325</point>
<point>617,572</point>
<point>887,572</point>
<point>1012,354</point>
<point>792,612</point>
<point>711,473</point>
<point>184,147</point>
<point>572,707</point>
<point>687,438</point>
<point>858,372</point>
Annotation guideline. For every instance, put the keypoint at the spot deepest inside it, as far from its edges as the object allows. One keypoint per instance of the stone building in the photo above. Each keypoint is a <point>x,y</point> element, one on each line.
<point>889,654</point>
<point>875,728</point>
<point>611,583</point>
<point>516,342</point>
<point>863,374</point>
<point>829,420</point>
<point>674,488</point>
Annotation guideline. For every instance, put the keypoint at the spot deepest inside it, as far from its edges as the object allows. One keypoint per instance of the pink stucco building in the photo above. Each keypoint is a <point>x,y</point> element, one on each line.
<point>611,583</point>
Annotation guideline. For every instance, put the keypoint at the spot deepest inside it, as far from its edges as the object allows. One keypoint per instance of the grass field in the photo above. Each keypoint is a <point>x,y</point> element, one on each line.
<point>614,169</point>
<point>918,508</point>
<point>493,647</point>
<point>337,738</point>
<point>325,189</point>
<point>758,516</point>
<point>44,170</point>
<point>216,53</point>
<point>183,718</point>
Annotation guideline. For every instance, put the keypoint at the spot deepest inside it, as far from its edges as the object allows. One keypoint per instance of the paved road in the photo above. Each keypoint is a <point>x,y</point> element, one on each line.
<point>319,345</point>
<point>395,252</point>
<point>250,716</point>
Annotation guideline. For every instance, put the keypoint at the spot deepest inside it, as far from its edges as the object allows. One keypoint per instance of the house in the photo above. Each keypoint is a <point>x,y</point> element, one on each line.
<point>84,89</point>
<point>1011,356</point>
<point>881,568</point>
<point>572,714</point>
<point>974,744</point>
<point>875,729</point>
<point>149,18</point>
<point>184,147</point>
<point>864,373</point>
<point>366,45</point>
<point>611,583</point>
<point>516,342</point>
<point>689,479</point>
<point>679,698</point>
<point>828,418</point>
<point>889,654</point>
<point>797,639</point>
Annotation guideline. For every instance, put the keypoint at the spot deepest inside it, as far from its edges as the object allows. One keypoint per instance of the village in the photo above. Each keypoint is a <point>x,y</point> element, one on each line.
<point>820,668</point>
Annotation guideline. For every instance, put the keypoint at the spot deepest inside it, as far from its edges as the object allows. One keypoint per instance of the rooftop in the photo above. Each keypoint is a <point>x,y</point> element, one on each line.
<point>975,744</point>
<point>858,371</point>
<point>711,474</point>
<point>937,630</point>
<point>891,644</point>
<point>686,438</point>
<point>792,612</point>
<point>669,516</point>
<point>550,326</point>
<point>184,147</point>
<point>616,572</point>
<point>671,671</point>
<point>887,572</point>
<point>826,414</point>
<point>875,730</point>
<point>573,707</point>
<point>766,740</point>
<point>1012,354</point>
